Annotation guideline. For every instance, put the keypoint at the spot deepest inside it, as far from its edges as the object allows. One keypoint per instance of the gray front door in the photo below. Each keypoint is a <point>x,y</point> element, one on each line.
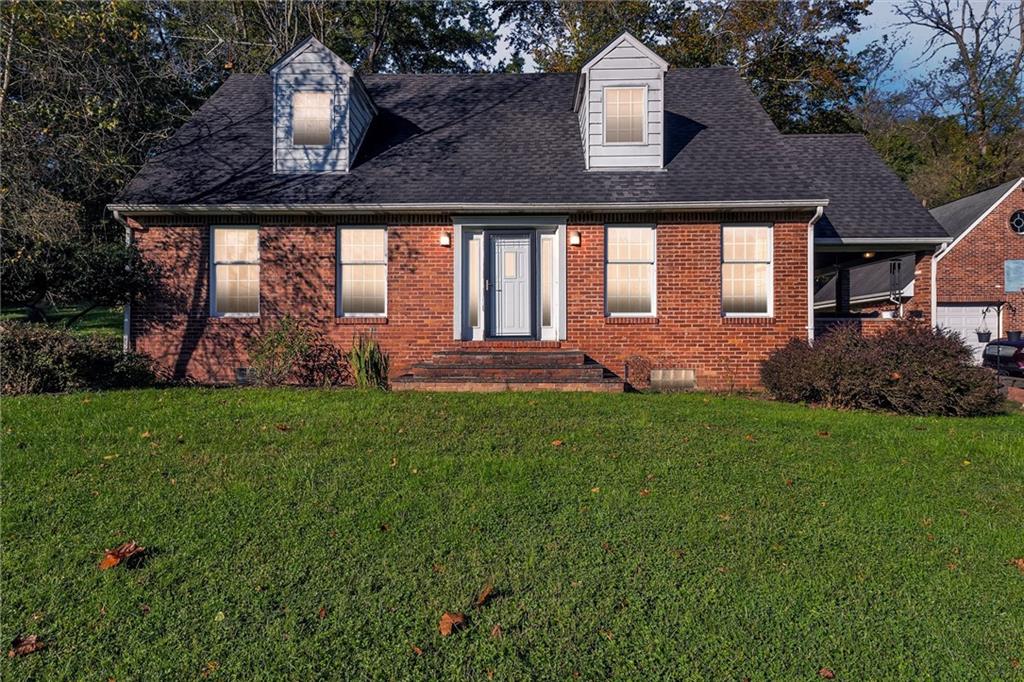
<point>510,284</point>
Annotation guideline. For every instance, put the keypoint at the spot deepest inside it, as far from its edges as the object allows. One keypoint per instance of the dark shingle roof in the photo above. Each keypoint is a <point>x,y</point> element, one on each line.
<point>957,216</point>
<point>866,199</point>
<point>870,281</point>
<point>494,138</point>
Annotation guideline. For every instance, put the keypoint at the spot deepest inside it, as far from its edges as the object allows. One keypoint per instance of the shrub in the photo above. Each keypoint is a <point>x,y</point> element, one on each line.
<point>37,358</point>
<point>290,352</point>
<point>908,369</point>
<point>368,363</point>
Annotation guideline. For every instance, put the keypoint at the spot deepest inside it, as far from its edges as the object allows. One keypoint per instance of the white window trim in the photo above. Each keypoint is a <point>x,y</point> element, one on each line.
<point>604,114</point>
<point>771,271</point>
<point>653,264</point>
<point>214,263</point>
<point>338,310</point>
<point>330,119</point>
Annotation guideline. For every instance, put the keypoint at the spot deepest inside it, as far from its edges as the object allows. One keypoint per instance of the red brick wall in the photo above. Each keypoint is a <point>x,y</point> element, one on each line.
<point>298,273</point>
<point>972,272</point>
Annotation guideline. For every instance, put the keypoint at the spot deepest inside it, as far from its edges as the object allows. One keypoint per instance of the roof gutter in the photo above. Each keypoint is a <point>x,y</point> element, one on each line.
<point>881,241</point>
<point>638,206</point>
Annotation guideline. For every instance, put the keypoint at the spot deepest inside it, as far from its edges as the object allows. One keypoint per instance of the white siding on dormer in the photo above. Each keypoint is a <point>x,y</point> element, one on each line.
<point>360,115</point>
<point>623,64</point>
<point>311,67</point>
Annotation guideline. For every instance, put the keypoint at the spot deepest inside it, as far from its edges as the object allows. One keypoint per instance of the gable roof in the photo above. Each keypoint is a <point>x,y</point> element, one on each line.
<point>480,141</point>
<point>629,38</point>
<point>958,216</point>
<point>311,44</point>
<point>867,200</point>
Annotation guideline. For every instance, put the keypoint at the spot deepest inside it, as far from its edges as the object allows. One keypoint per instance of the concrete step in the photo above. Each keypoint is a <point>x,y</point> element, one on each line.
<point>532,358</point>
<point>583,372</point>
<point>464,385</point>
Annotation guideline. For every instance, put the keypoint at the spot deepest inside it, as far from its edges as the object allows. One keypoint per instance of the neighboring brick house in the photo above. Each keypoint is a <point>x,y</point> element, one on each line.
<point>502,230</point>
<point>979,275</point>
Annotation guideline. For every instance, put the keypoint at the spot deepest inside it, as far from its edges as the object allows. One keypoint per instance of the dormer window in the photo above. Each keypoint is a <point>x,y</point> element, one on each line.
<point>624,115</point>
<point>311,119</point>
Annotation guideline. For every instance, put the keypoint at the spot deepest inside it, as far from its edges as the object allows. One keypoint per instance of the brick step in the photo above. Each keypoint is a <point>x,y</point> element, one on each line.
<point>583,372</point>
<point>479,358</point>
<point>458,385</point>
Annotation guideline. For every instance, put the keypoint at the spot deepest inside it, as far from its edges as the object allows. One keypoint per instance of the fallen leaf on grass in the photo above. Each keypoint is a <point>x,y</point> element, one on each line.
<point>144,434</point>
<point>606,547</point>
<point>484,595</point>
<point>595,490</point>
<point>496,631</point>
<point>826,673</point>
<point>608,634</point>
<point>282,427</point>
<point>210,668</point>
<point>416,650</point>
<point>120,554</point>
<point>394,462</point>
<point>490,674</point>
<point>24,645</point>
<point>556,443</point>
<point>748,437</point>
<point>450,622</point>
<point>1015,663</point>
<point>789,482</point>
<point>644,492</point>
<point>951,566</point>
<point>1019,563</point>
<point>824,434</point>
<point>322,613</point>
<point>145,608</point>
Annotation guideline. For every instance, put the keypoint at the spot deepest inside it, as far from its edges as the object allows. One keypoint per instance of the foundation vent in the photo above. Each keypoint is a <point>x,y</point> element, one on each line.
<point>665,380</point>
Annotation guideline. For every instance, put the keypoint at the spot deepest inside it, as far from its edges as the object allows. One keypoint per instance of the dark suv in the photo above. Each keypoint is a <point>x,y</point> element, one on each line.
<point>1005,357</point>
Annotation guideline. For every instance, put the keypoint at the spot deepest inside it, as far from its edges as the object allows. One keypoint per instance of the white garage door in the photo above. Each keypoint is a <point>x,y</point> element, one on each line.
<point>965,320</point>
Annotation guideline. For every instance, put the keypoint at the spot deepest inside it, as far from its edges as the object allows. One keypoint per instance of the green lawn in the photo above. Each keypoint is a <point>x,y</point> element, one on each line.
<point>106,321</point>
<point>299,534</point>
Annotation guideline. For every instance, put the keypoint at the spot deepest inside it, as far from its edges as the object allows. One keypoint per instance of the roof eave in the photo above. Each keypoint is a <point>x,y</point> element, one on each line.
<point>129,209</point>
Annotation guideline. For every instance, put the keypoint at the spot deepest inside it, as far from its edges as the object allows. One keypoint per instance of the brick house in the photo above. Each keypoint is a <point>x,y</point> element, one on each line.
<point>502,230</point>
<point>979,271</point>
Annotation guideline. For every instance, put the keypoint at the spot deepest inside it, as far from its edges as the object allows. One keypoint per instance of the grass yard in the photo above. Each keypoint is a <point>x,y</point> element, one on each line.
<point>105,321</point>
<point>300,534</point>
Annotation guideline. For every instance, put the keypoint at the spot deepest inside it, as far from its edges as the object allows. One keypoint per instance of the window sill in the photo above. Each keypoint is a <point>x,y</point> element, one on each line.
<point>362,320</point>
<point>250,318</point>
<point>631,320</point>
<point>748,321</point>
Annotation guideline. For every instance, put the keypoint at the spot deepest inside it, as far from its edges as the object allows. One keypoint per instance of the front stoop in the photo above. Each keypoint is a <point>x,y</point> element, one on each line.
<point>488,371</point>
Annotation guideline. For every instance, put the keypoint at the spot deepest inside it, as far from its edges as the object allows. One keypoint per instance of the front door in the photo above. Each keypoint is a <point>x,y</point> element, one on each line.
<point>508,282</point>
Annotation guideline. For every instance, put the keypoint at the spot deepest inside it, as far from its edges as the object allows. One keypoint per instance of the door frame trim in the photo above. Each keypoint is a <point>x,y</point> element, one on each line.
<point>524,223</point>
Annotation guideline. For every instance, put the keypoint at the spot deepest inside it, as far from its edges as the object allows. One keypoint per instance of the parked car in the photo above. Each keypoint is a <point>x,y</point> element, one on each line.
<point>1005,356</point>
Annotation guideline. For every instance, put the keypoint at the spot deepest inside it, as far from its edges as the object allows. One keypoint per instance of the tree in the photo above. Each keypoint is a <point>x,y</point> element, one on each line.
<point>793,53</point>
<point>960,129</point>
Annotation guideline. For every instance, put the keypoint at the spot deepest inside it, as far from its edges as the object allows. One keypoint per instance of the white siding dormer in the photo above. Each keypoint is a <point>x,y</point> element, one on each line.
<point>321,111</point>
<point>620,106</point>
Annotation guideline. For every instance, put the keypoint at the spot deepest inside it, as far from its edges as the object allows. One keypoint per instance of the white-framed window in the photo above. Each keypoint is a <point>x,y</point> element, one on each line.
<point>747,277</point>
<point>625,115</point>
<point>362,271</point>
<point>235,271</point>
<point>311,119</point>
<point>630,272</point>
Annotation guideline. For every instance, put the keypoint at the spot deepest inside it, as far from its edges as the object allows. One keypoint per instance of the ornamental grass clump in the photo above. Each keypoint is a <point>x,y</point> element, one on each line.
<point>910,368</point>
<point>368,363</point>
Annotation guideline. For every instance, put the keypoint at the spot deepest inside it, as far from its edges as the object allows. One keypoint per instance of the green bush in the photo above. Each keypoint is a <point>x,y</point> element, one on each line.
<point>38,358</point>
<point>368,363</point>
<point>290,352</point>
<point>908,369</point>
